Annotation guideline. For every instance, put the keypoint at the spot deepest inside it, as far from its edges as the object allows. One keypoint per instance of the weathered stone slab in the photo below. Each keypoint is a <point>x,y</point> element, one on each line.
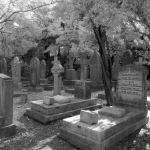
<point>88,117</point>
<point>1,121</point>
<point>112,111</point>
<point>85,143</point>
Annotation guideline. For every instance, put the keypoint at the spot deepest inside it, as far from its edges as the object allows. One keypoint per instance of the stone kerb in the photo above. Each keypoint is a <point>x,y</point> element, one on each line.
<point>132,86</point>
<point>16,70</point>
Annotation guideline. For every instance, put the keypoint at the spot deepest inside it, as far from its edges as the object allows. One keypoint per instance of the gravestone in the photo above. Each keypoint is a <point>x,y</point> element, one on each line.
<point>115,68</point>
<point>7,128</point>
<point>43,72</point>
<point>57,69</point>
<point>43,69</point>
<point>127,58</point>
<point>128,114</point>
<point>3,66</point>
<point>16,70</point>
<point>35,75</point>
<point>132,86</point>
<point>71,73</point>
<point>16,73</point>
<point>95,68</point>
<point>82,89</point>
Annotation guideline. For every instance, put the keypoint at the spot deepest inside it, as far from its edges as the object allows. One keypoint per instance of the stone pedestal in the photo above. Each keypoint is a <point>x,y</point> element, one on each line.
<point>17,86</point>
<point>6,107</point>
<point>82,89</point>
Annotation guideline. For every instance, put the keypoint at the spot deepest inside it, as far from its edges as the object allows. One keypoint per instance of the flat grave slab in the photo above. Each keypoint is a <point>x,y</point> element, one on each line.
<point>47,113</point>
<point>108,131</point>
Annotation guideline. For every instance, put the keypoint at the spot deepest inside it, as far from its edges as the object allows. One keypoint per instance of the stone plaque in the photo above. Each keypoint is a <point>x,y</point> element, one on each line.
<point>131,88</point>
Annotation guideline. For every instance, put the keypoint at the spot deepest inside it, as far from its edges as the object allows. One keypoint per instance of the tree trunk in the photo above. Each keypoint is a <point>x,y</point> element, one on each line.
<point>105,62</point>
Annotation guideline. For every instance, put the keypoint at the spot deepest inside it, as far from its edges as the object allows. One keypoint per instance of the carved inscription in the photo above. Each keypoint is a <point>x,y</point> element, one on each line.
<point>79,91</point>
<point>130,88</point>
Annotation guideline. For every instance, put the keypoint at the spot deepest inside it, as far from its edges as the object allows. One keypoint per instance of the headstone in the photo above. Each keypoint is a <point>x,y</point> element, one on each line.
<point>140,62</point>
<point>43,69</point>
<point>57,69</point>
<point>3,66</point>
<point>16,70</point>
<point>71,73</point>
<point>127,58</point>
<point>35,72</point>
<point>132,86</point>
<point>71,56</point>
<point>82,89</point>
<point>115,68</point>
<point>95,68</point>
<point>7,128</point>
<point>84,62</point>
<point>26,70</point>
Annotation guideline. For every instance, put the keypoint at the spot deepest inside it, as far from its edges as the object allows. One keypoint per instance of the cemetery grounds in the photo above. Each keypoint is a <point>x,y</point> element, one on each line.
<point>32,135</point>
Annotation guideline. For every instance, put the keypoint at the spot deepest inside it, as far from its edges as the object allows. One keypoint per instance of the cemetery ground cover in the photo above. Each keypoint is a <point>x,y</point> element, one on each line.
<point>32,135</point>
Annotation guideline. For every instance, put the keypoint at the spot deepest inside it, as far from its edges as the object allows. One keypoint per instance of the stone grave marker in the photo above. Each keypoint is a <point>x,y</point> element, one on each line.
<point>16,70</point>
<point>71,73</point>
<point>95,68</point>
<point>127,58</point>
<point>132,86</point>
<point>43,69</point>
<point>57,69</point>
<point>115,68</point>
<point>128,114</point>
<point>3,66</point>
<point>7,128</point>
<point>35,75</point>
<point>82,89</point>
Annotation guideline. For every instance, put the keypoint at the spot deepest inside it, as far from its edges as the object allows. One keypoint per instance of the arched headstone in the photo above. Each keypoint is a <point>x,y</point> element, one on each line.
<point>16,69</point>
<point>3,66</point>
<point>34,72</point>
<point>127,58</point>
<point>95,68</point>
<point>43,69</point>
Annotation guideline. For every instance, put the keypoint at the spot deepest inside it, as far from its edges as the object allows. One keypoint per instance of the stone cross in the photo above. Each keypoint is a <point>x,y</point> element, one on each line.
<point>140,62</point>
<point>16,70</point>
<point>56,70</point>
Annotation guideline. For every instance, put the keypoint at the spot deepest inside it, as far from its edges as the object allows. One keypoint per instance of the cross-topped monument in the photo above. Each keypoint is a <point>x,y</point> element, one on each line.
<point>56,70</point>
